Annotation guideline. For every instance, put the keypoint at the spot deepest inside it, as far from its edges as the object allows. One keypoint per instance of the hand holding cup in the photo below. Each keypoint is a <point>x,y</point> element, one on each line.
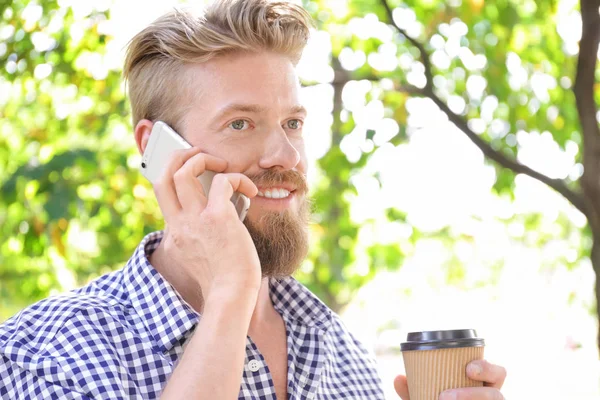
<point>448,365</point>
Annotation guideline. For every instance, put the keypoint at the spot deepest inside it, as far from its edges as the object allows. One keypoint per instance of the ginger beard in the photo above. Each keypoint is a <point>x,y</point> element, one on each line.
<point>281,237</point>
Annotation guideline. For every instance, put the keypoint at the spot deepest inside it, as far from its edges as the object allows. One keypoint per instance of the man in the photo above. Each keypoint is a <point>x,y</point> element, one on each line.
<point>207,308</point>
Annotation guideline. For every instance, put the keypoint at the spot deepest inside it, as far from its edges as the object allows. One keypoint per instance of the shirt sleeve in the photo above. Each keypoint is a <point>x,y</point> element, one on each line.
<point>19,383</point>
<point>90,355</point>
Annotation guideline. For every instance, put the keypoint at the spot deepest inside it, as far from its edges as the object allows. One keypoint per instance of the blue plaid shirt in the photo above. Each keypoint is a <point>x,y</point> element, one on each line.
<point>120,337</point>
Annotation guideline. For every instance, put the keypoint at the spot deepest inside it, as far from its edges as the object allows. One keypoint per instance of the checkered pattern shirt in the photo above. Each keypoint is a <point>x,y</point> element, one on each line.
<point>120,337</point>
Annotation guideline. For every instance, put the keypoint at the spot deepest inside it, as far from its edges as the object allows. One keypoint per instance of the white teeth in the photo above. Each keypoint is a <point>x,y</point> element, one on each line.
<point>274,193</point>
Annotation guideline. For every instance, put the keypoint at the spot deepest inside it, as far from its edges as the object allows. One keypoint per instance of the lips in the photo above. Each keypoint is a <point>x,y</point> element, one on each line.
<point>279,184</point>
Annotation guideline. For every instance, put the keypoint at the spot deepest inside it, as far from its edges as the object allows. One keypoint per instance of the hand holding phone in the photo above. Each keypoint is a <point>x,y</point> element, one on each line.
<point>163,142</point>
<point>203,237</point>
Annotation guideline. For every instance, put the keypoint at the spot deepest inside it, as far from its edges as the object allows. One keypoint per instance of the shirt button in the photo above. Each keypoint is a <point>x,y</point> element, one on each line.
<point>254,365</point>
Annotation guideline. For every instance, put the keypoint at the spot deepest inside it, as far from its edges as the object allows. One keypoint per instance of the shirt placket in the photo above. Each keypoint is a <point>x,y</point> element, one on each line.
<point>306,361</point>
<point>257,382</point>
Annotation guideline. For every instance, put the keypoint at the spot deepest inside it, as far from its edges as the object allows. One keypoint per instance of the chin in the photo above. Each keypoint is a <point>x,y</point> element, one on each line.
<point>257,216</point>
<point>280,238</point>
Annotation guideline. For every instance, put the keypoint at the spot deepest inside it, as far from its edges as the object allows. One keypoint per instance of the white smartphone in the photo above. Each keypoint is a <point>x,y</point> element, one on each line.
<point>162,143</point>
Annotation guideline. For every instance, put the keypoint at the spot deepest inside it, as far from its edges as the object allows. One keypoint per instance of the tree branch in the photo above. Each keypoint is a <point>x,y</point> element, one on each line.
<point>586,107</point>
<point>585,80</point>
<point>557,184</point>
<point>424,56</point>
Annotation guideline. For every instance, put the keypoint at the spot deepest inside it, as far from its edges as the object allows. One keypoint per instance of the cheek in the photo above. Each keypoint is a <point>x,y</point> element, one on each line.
<point>240,156</point>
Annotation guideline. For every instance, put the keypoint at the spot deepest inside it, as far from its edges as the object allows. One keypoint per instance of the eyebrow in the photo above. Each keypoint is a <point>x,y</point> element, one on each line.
<point>253,108</point>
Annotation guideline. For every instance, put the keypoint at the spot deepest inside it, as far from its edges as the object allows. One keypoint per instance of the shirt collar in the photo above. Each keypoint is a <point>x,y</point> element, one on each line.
<point>296,303</point>
<point>166,316</point>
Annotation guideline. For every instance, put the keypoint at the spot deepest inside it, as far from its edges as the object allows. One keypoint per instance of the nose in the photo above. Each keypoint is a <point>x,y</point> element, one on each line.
<point>279,151</point>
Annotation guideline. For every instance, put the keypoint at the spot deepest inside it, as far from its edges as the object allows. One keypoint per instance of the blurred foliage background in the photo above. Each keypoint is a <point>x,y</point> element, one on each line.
<point>73,205</point>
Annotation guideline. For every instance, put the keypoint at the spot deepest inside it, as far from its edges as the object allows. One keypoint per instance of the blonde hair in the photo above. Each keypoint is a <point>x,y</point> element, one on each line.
<point>158,57</point>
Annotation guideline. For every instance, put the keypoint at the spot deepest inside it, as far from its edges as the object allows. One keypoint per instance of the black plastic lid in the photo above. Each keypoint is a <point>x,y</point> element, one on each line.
<point>433,340</point>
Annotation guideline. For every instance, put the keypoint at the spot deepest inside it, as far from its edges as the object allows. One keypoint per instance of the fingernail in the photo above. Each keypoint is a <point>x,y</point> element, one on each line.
<point>474,369</point>
<point>448,396</point>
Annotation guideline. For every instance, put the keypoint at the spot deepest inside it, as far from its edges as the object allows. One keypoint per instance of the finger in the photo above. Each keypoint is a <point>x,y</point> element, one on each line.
<point>164,187</point>
<point>473,393</point>
<point>483,371</point>
<point>223,186</point>
<point>401,386</point>
<point>189,189</point>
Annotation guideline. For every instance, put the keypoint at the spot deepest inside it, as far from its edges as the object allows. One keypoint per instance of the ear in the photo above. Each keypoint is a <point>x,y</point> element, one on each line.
<point>142,134</point>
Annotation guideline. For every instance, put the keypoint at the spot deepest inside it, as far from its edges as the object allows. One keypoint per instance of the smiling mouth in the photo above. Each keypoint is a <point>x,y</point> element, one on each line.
<point>275,193</point>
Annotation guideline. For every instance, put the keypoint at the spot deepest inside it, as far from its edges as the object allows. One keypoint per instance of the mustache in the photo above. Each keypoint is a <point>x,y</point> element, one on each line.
<point>273,177</point>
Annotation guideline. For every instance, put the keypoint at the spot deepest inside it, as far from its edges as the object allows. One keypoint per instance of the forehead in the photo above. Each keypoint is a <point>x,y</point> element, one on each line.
<point>264,78</point>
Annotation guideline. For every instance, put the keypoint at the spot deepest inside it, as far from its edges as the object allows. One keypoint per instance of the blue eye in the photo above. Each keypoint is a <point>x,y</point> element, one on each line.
<point>239,124</point>
<point>294,124</point>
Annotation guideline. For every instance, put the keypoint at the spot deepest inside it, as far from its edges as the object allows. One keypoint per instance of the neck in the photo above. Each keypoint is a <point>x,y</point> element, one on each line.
<point>264,312</point>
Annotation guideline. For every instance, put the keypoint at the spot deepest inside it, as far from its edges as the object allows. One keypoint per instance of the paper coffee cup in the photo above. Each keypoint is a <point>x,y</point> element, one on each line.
<point>437,360</point>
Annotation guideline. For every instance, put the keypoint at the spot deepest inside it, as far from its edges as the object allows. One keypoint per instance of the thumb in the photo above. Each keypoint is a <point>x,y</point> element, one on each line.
<point>401,386</point>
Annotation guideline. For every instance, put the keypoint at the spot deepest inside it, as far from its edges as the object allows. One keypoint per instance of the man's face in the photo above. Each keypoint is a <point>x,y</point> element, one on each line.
<point>247,111</point>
